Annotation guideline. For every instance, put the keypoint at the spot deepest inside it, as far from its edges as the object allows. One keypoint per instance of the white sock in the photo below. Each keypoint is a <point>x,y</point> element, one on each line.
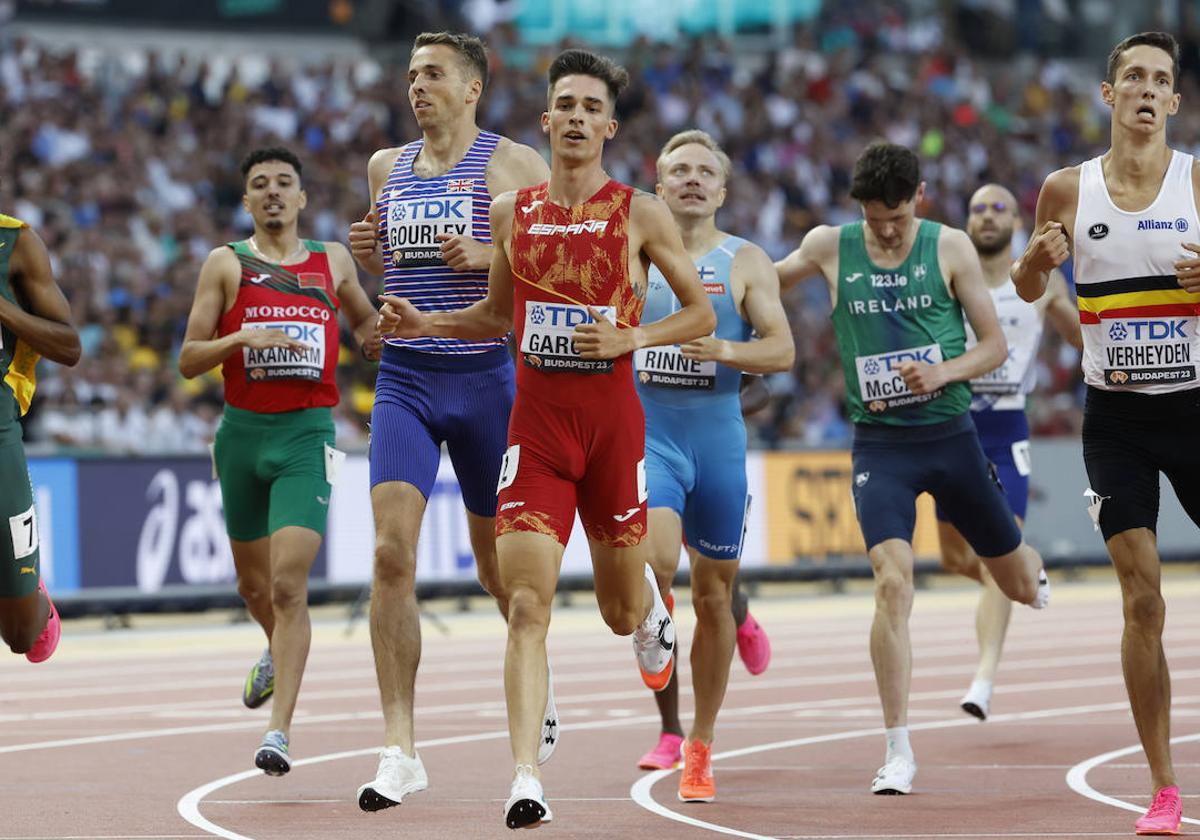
<point>658,607</point>
<point>897,743</point>
<point>980,687</point>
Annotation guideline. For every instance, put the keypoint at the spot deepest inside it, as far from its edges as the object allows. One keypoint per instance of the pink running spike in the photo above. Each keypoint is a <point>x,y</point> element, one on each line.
<point>46,643</point>
<point>666,755</point>
<point>753,646</point>
<point>1165,814</point>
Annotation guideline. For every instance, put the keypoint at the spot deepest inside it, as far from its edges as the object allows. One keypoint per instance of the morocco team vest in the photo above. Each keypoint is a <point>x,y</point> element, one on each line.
<point>298,300</point>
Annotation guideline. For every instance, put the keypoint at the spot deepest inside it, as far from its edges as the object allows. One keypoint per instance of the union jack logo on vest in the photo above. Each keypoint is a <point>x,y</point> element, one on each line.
<point>460,185</point>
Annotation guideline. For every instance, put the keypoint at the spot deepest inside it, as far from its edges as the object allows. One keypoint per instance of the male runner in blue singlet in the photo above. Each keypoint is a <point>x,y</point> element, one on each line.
<point>428,235</point>
<point>695,436</point>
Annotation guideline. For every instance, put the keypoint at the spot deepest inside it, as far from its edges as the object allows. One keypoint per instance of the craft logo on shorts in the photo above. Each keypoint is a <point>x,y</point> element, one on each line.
<point>1098,231</point>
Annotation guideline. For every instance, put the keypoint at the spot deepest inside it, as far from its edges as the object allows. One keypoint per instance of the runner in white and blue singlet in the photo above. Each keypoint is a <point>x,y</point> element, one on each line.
<point>428,235</point>
<point>998,409</point>
<point>696,441</point>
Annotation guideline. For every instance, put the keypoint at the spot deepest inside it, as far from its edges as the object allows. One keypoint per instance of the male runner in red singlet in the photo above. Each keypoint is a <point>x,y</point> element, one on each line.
<point>571,275</point>
<point>266,311</point>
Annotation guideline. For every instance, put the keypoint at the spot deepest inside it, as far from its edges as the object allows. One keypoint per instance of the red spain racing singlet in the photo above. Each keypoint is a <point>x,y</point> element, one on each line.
<point>298,300</point>
<point>564,260</point>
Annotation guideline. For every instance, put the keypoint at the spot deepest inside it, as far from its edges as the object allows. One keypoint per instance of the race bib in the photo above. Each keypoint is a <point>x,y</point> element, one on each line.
<point>881,386</point>
<point>274,363</point>
<point>548,342</point>
<point>24,532</point>
<point>414,223</point>
<point>666,367</point>
<point>1148,351</point>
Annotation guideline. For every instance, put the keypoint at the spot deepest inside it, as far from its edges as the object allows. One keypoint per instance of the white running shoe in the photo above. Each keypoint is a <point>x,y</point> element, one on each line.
<point>978,699</point>
<point>550,728</point>
<point>1042,599</point>
<point>895,776</point>
<point>654,641</point>
<point>398,776</point>
<point>526,806</point>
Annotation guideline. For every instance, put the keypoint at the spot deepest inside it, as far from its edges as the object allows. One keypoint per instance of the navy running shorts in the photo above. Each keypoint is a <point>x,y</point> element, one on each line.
<point>892,465</point>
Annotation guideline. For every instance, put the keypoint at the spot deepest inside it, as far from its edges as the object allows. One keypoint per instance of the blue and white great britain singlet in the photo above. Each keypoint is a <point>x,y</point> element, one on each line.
<point>412,211</point>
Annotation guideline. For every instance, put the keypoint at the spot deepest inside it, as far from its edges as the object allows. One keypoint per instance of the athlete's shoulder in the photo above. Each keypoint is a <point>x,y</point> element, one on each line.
<point>745,251</point>
<point>223,256</point>
<point>384,159</point>
<point>1063,183</point>
<point>822,236</point>
<point>335,250</point>
<point>514,165</point>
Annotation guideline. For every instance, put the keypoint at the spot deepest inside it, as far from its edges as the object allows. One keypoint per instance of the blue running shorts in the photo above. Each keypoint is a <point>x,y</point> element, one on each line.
<point>425,399</point>
<point>696,466</point>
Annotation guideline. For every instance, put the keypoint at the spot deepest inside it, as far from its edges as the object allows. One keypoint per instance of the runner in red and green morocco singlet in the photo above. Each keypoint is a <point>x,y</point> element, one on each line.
<point>266,311</point>
<point>571,273</point>
<point>35,321</point>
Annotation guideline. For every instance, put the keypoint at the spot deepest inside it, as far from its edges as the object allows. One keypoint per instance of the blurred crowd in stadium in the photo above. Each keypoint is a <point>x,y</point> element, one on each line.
<point>127,166</point>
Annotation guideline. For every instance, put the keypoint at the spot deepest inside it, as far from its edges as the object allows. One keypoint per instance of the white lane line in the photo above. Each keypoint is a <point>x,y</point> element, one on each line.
<point>1077,776</point>
<point>950,836</point>
<point>273,802</point>
<point>189,804</point>
<point>616,673</point>
<point>640,791</point>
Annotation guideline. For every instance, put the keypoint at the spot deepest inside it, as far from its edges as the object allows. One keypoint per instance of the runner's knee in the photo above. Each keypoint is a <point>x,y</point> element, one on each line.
<point>288,593</point>
<point>528,613</point>
<point>622,618</point>
<point>1145,609</point>
<point>395,563</point>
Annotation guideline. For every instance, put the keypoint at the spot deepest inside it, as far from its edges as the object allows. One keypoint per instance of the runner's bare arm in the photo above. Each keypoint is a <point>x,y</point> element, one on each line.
<point>774,349</point>
<point>816,257</point>
<point>488,318</point>
<point>364,234</point>
<point>360,313</point>
<point>46,326</point>
<point>202,350</point>
<point>1061,310</point>
<point>1050,244</point>
<point>959,260</point>
<point>661,242</point>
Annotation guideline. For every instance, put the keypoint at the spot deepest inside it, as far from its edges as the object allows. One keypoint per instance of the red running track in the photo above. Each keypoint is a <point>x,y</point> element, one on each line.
<point>139,734</point>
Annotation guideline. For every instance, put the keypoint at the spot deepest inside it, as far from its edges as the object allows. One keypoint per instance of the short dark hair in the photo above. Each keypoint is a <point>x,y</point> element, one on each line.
<point>886,172</point>
<point>1164,41</point>
<point>471,51</point>
<point>263,155</point>
<point>584,63</point>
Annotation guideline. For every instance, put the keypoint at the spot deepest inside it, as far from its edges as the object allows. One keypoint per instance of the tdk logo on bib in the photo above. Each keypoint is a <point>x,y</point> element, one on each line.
<point>548,340</point>
<point>414,225</point>
<point>881,386</point>
<point>1147,330</point>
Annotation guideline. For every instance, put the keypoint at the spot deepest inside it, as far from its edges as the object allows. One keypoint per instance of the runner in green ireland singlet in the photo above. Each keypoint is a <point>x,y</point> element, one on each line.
<point>887,317</point>
<point>35,321</point>
<point>900,286</point>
